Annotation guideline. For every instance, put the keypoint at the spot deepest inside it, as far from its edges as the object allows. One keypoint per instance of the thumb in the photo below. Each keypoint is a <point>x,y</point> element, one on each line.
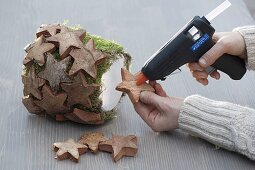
<point>150,98</point>
<point>212,55</point>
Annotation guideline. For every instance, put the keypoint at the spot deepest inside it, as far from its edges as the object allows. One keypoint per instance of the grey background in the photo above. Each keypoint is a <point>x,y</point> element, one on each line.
<point>251,6</point>
<point>142,27</point>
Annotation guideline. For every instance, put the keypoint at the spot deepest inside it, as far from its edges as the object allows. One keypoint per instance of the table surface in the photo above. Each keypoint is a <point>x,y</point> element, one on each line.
<point>142,27</point>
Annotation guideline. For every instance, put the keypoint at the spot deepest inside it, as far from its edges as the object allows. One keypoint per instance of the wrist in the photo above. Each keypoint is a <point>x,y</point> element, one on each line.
<point>243,54</point>
<point>176,109</point>
<point>248,35</point>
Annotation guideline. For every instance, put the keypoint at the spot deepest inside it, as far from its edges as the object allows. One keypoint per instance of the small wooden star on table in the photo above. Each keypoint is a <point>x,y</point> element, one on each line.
<point>37,50</point>
<point>49,30</point>
<point>120,146</point>
<point>55,71</point>
<point>32,83</point>
<point>69,149</point>
<point>52,104</point>
<point>79,91</point>
<point>92,140</point>
<point>128,85</point>
<point>67,40</point>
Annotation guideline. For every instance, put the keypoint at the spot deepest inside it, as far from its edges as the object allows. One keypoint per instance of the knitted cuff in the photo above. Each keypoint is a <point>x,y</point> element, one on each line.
<point>208,119</point>
<point>227,125</point>
<point>248,34</point>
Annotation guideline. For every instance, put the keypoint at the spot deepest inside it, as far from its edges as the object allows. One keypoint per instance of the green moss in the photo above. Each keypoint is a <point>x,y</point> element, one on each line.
<point>37,67</point>
<point>25,70</point>
<point>104,45</point>
<point>108,115</point>
<point>96,101</point>
<point>87,109</point>
<point>105,115</point>
<point>89,79</point>
<point>127,61</point>
<point>101,69</point>
<point>76,27</point>
<point>108,46</point>
<point>66,21</point>
<point>56,55</point>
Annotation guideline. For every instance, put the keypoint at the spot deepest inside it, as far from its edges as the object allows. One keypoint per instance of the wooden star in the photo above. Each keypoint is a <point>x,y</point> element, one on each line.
<point>83,60</point>
<point>55,71</point>
<point>48,30</point>
<point>28,102</point>
<point>128,85</point>
<point>29,46</point>
<point>81,116</point>
<point>69,149</point>
<point>32,83</point>
<point>79,91</point>
<point>92,140</point>
<point>97,54</point>
<point>37,50</point>
<point>120,146</point>
<point>52,104</point>
<point>86,58</point>
<point>67,40</point>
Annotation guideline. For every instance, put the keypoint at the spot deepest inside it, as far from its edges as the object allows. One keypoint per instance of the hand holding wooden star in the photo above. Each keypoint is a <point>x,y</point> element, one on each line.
<point>128,85</point>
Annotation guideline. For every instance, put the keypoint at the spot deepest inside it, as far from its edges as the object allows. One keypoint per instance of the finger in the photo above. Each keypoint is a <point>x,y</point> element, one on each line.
<point>146,112</point>
<point>203,81</point>
<point>142,108</point>
<point>195,66</point>
<point>150,98</point>
<point>200,74</point>
<point>150,118</point>
<point>216,36</point>
<point>152,83</point>
<point>212,55</point>
<point>215,74</point>
<point>159,90</point>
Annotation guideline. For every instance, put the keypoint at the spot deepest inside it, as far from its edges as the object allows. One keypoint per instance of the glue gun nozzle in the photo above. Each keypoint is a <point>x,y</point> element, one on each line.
<point>140,78</point>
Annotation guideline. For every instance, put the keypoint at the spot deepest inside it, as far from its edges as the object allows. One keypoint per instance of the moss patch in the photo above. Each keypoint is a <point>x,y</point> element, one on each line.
<point>37,67</point>
<point>108,115</point>
<point>104,45</point>
<point>56,55</point>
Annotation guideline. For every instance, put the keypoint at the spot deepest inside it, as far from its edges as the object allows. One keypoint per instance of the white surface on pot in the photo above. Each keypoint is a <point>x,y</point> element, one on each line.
<point>111,97</point>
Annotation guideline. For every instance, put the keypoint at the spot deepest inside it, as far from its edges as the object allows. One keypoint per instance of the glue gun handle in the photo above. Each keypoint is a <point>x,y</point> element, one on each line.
<point>231,65</point>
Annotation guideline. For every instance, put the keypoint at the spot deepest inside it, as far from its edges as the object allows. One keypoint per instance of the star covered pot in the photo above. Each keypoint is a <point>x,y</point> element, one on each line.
<point>63,72</point>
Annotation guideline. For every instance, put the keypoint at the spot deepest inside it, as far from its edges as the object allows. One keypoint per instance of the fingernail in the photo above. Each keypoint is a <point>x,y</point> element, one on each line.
<point>217,76</point>
<point>202,61</point>
<point>214,76</point>
<point>202,82</point>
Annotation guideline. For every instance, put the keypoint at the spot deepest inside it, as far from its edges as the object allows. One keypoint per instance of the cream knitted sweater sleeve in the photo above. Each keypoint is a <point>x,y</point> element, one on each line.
<point>227,125</point>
